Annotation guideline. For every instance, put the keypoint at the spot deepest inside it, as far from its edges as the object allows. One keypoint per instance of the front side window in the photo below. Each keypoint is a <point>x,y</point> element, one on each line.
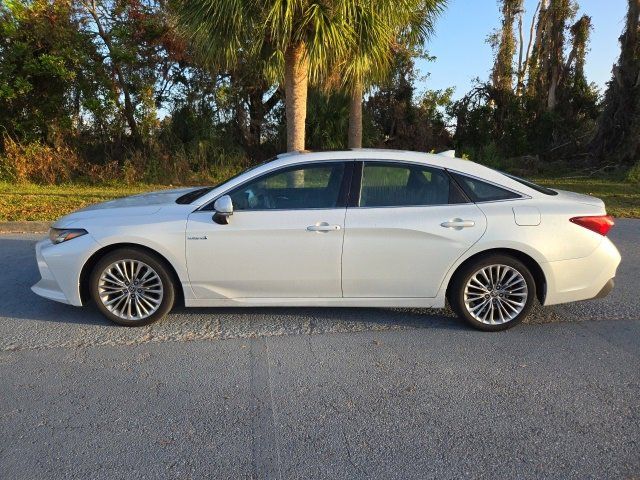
<point>294,188</point>
<point>393,185</point>
<point>480,191</point>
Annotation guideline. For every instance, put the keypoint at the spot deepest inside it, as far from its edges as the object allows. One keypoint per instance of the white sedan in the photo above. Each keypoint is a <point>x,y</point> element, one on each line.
<point>361,228</point>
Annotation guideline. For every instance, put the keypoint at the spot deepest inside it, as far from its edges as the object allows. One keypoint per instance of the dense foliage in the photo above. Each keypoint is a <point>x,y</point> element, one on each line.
<point>541,105</point>
<point>115,90</point>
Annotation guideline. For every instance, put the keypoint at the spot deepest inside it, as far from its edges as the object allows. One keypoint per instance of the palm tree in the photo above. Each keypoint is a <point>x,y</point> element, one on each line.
<point>380,29</point>
<point>296,39</point>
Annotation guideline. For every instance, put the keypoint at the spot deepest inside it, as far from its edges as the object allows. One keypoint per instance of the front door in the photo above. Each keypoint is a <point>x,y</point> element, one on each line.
<point>410,224</point>
<point>284,239</point>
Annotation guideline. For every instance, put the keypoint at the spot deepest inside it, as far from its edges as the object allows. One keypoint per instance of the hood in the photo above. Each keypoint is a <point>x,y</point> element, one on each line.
<point>579,197</point>
<point>136,205</point>
<point>157,199</point>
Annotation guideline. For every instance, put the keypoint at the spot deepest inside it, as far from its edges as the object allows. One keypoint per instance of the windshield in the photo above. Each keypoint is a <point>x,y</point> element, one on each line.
<point>193,195</point>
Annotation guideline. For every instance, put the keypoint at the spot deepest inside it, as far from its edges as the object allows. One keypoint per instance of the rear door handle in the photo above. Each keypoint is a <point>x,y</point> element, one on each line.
<point>458,224</point>
<point>323,227</point>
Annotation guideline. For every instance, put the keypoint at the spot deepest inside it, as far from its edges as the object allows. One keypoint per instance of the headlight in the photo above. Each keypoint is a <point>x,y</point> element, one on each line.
<point>59,235</point>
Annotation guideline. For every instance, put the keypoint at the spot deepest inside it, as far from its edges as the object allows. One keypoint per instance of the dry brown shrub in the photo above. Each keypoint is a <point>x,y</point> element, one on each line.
<point>133,169</point>
<point>105,173</point>
<point>39,163</point>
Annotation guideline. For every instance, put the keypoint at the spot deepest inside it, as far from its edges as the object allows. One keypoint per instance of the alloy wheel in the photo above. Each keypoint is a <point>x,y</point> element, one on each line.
<point>495,294</point>
<point>130,289</point>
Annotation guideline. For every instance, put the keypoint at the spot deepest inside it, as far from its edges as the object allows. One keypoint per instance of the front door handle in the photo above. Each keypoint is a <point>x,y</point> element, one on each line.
<point>323,227</point>
<point>458,224</point>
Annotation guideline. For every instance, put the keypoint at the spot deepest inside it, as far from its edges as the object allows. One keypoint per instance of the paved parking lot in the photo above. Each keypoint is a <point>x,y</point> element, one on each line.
<point>304,393</point>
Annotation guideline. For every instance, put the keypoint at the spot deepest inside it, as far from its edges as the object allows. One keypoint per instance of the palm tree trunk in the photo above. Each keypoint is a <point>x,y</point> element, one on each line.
<point>355,117</point>
<point>296,66</point>
<point>296,71</point>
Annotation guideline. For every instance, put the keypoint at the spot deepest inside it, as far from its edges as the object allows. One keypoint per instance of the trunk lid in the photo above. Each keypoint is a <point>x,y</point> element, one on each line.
<point>579,198</point>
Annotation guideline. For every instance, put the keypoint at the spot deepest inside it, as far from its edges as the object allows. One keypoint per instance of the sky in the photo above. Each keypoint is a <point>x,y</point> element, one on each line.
<point>462,53</point>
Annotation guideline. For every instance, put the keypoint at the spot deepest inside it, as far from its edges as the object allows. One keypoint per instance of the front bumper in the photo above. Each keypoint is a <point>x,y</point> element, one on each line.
<point>582,278</point>
<point>60,267</point>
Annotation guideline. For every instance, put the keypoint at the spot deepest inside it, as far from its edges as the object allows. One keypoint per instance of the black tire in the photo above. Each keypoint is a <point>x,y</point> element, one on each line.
<point>456,293</point>
<point>155,263</point>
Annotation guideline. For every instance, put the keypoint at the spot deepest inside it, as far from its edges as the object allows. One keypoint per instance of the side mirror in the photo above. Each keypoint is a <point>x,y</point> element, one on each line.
<point>224,209</point>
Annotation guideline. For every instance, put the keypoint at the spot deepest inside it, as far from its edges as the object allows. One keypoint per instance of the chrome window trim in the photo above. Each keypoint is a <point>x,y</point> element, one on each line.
<point>523,197</point>
<point>417,206</point>
<point>274,210</point>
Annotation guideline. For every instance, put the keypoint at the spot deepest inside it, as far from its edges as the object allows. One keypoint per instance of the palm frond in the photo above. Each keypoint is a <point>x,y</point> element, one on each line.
<point>348,42</point>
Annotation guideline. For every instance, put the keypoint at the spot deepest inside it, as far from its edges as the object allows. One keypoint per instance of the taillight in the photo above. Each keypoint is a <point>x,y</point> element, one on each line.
<point>600,224</point>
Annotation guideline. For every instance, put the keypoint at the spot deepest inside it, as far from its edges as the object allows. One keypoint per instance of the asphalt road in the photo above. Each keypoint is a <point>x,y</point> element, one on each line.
<point>333,393</point>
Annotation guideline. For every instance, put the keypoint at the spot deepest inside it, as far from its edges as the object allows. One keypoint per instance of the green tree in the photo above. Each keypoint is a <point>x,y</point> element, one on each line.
<point>295,40</point>
<point>381,30</point>
<point>138,55</point>
<point>43,69</point>
<point>502,75</point>
<point>327,120</point>
<point>552,104</point>
<point>406,120</point>
<point>618,135</point>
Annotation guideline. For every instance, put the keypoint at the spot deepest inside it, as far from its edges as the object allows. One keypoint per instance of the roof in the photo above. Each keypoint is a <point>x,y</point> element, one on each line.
<point>431,159</point>
<point>447,153</point>
<point>446,160</point>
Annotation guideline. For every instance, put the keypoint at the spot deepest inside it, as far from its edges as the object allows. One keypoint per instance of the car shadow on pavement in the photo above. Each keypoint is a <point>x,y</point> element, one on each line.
<point>312,319</point>
<point>289,318</point>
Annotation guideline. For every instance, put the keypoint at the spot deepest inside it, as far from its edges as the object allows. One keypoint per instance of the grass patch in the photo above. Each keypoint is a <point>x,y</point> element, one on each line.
<point>49,202</point>
<point>622,198</point>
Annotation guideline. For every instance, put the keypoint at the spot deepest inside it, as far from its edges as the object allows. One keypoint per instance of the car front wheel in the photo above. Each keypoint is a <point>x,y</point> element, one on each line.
<point>131,287</point>
<point>493,293</point>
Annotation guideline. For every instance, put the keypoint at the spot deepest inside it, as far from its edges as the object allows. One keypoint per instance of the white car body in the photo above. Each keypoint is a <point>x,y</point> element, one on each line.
<point>372,257</point>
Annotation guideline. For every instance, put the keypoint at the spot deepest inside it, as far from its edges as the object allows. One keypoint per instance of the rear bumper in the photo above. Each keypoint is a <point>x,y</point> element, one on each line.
<point>582,278</point>
<point>606,290</point>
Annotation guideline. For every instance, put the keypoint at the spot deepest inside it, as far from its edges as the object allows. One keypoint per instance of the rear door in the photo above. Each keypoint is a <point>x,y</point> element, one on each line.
<point>408,224</point>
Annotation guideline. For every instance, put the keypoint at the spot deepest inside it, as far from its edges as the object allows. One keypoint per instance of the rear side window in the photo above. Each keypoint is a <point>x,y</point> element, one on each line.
<point>533,186</point>
<point>394,185</point>
<point>479,191</point>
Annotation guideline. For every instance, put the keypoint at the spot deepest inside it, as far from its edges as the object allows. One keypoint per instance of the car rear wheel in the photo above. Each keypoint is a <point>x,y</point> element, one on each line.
<point>131,287</point>
<point>493,293</point>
